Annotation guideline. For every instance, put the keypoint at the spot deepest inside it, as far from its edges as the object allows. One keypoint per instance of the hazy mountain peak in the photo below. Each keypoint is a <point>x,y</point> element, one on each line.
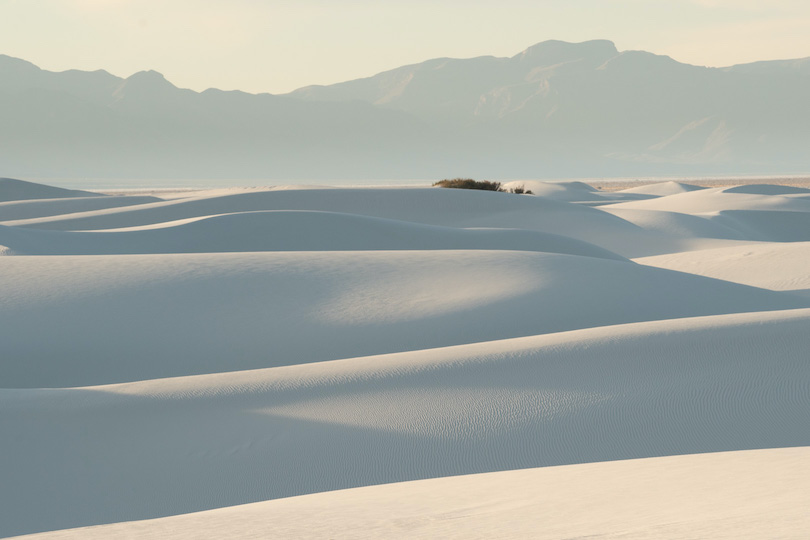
<point>150,76</point>
<point>144,83</point>
<point>9,63</point>
<point>555,51</point>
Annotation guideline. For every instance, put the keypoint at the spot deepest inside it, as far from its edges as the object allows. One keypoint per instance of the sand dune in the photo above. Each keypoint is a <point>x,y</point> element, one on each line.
<point>288,231</point>
<point>429,206</point>
<point>19,190</point>
<point>685,226</point>
<point>714,200</point>
<point>105,317</point>
<point>662,189</point>
<point>773,226</point>
<point>734,495</point>
<point>225,347</point>
<point>188,444</point>
<point>435,206</point>
<point>767,189</point>
<point>753,212</point>
<point>780,267</point>
<point>573,191</point>
<point>38,208</point>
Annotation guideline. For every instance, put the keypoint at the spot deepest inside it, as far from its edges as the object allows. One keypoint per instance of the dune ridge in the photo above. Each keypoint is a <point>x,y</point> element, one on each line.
<point>287,230</point>
<point>670,497</point>
<point>12,189</point>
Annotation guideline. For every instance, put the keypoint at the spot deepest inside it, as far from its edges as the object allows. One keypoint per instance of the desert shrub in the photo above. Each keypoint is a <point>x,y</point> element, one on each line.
<point>486,185</point>
<point>520,190</point>
<point>469,183</point>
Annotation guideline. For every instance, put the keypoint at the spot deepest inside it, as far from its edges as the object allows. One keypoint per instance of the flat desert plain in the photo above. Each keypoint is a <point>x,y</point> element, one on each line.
<point>311,362</point>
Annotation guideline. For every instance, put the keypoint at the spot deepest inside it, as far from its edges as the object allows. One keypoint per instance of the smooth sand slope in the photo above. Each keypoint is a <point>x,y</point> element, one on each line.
<point>428,206</point>
<point>575,192</point>
<point>775,266</point>
<point>753,212</point>
<point>20,190</point>
<point>235,346</point>
<point>162,447</point>
<point>105,317</point>
<point>741,495</point>
<point>713,200</point>
<point>287,231</point>
<point>661,189</point>
<point>39,208</point>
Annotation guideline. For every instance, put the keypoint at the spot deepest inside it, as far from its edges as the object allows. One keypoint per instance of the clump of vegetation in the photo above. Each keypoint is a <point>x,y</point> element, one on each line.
<point>469,183</point>
<point>486,185</point>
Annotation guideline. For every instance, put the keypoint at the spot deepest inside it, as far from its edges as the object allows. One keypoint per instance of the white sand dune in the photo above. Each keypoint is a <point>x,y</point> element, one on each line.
<point>773,226</point>
<point>429,206</point>
<point>767,189</point>
<point>714,200</point>
<point>38,208</point>
<point>288,231</point>
<point>753,494</point>
<point>754,212</point>
<point>573,191</point>
<point>434,206</point>
<point>780,267</point>
<point>105,317</point>
<point>19,190</point>
<point>686,226</point>
<point>162,447</point>
<point>227,347</point>
<point>662,189</point>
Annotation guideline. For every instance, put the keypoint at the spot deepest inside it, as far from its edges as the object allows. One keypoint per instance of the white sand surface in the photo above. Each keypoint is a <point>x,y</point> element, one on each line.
<point>38,208</point>
<point>662,189</point>
<point>160,447</point>
<point>220,348</point>
<point>287,231</point>
<point>775,266</point>
<point>429,206</point>
<point>19,190</point>
<point>713,200</point>
<point>735,495</point>
<point>574,191</point>
<point>105,316</point>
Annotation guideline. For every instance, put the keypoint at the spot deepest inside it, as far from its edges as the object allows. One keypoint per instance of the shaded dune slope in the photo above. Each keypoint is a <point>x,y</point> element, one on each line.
<point>430,206</point>
<point>681,225</point>
<point>288,231</point>
<point>187,444</point>
<point>764,225</point>
<point>32,209</point>
<point>19,190</point>
<point>104,318</point>
<point>767,189</point>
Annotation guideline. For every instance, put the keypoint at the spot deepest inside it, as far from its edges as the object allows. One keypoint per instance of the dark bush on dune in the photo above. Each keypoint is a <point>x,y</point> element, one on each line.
<point>469,183</point>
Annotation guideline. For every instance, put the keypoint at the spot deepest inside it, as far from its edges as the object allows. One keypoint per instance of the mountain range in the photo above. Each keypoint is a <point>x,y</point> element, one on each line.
<point>556,109</point>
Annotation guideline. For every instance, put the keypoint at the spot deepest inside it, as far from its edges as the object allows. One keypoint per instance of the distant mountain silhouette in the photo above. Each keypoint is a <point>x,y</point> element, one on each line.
<point>556,109</point>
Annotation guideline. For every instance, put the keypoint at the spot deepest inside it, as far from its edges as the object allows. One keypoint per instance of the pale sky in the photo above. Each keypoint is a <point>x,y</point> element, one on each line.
<point>279,45</point>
